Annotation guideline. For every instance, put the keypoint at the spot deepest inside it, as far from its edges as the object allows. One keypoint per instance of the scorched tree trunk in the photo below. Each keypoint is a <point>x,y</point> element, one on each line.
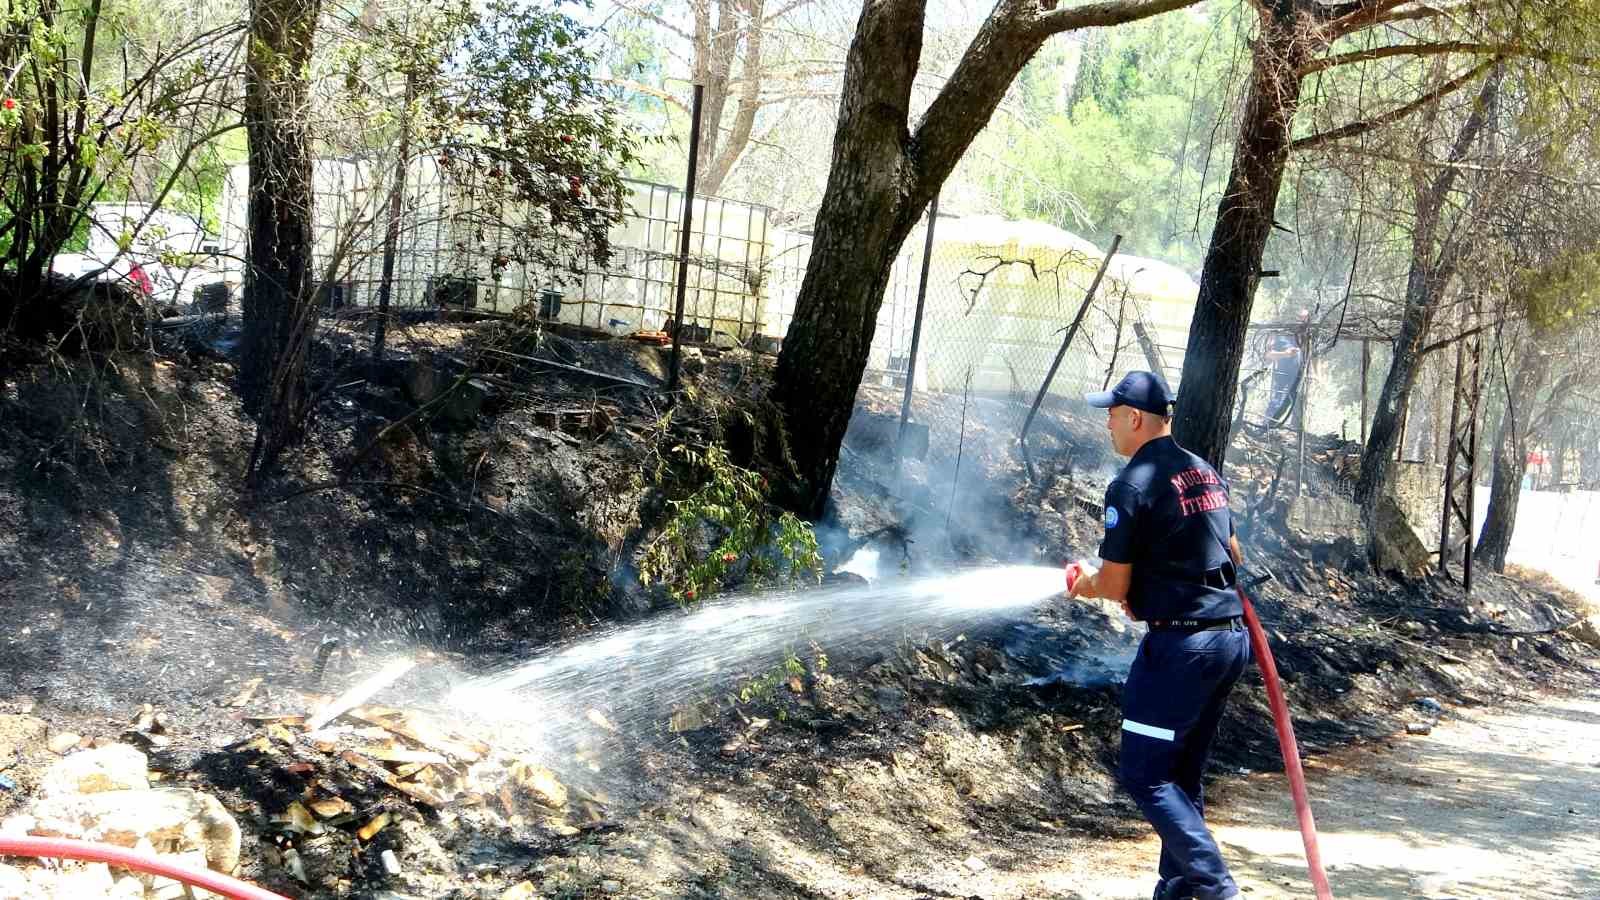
<point>279,304</point>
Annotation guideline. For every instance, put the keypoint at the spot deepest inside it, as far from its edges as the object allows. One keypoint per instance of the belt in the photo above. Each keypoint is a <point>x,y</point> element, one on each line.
<point>1233,624</point>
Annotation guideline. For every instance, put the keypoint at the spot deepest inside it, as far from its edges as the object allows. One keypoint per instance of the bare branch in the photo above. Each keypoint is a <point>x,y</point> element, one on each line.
<point>1436,49</point>
<point>647,90</point>
<point>644,13</point>
<point>1355,129</point>
<point>1106,12</point>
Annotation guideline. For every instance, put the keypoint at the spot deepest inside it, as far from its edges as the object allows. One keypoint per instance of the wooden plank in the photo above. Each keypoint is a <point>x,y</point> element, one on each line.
<point>402,755</point>
<point>407,726</point>
<point>376,770</point>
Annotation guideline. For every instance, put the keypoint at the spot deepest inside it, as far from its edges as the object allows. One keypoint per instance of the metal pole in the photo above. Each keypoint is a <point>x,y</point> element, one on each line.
<point>1072,331</point>
<point>683,243</point>
<point>916,324</point>
<point>391,231</point>
<point>1305,394</point>
<point>1450,465</point>
<point>1472,447</point>
<point>1366,366</point>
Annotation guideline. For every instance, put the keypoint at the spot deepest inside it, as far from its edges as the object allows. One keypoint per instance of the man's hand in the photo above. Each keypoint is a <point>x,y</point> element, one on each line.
<point>1110,583</point>
<point>1085,586</point>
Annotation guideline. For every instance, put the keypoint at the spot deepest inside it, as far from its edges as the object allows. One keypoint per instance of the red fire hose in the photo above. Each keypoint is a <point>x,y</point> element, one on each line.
<point>1290,749</point>
<point>1286,741</point>
<point>61,848</point>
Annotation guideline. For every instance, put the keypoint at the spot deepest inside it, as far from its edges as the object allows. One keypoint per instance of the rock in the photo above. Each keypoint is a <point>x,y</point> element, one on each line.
<point>1431,886</point>
<point>523,891</point>
<point>117,767</point>
<point>130,888</point>
<point>422,380</point>
<point>465,402</point>
<point>18,733</point>
<point>1430,705</point>
<point>541,783</point>
<point>14,884</point>
<point>1587,630</point>
<point>975,865</point>
<point>1418,728</point>
<point>173,820</point>
<point>391,863</point>
<point>92,880</point>
<point>63,742</point>
<point>1399,547</point>
<point>610,887</point>
<point>890,699</point>
<point>161,888</point>
<point>692,360</point>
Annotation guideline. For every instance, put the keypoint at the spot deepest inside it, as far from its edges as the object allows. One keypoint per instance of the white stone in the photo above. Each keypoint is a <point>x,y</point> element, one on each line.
<point>173,820</point>
<point>83,881</point>
<point>131,888</point>
<point>13,883</point>
<point>975,864</point>
<point>163,888</point>
<point>114,768</point>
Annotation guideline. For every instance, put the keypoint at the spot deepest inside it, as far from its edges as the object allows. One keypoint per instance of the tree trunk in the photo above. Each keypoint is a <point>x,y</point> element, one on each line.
<point>867,211</point>
<point>1430,270</point>
<point>1558,463</point>
<point>1218,331</point>
<point>1511,460</point>
<point>880,179</point>
<point>279,303</point>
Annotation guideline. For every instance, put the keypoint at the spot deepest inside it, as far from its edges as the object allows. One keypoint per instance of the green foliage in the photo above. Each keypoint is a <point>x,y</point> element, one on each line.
<point>730,513</point>
<point>101,95</point>
<point>764,687</point>
<point>505,98</point>
<point>1558,294</point>
<point>1131,142</point>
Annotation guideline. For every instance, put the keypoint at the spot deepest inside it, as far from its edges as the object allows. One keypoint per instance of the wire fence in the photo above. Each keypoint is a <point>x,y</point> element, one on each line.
<point>994,320</point>
<point>453,251</point>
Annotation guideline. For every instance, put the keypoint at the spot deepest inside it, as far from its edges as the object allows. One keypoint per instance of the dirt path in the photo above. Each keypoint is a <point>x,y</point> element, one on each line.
<point>1493,804</point>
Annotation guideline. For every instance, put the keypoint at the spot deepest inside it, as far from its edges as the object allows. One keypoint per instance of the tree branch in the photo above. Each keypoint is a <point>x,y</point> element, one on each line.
<point>643,13</point>
<point>1106,12</point>
<point>1394,115</point>
<point>647,90</point>
<point>1435,49</point>
<point>1003,45</point>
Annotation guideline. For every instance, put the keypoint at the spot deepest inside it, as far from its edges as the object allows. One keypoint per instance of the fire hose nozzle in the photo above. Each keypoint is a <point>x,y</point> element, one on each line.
<point>1073,571</point>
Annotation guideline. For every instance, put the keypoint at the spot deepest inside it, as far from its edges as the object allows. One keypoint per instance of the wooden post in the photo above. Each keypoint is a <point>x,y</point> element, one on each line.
<point>1072,331</point>
<point>1305,394</point>
<point>391,232</point>
<point>1366,367</point>
<point>683,243</point>
<point>916,324</point>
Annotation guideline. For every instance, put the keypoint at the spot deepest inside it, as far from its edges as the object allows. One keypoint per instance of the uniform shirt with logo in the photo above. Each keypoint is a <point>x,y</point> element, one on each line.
<point>1167,516</point>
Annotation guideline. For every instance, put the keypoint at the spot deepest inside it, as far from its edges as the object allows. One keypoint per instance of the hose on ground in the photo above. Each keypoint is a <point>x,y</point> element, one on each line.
<point>1290,749</point>
<point>88,851</point>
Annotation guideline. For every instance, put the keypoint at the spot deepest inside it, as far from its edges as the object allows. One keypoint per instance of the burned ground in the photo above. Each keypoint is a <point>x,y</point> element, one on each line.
<point>135,571</point>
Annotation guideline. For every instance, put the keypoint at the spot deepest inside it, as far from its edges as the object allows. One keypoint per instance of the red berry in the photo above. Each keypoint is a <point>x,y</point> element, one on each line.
<point>689,594</point>
<point>10,103</point>
<point>566,139</point>
<point>728,557</point>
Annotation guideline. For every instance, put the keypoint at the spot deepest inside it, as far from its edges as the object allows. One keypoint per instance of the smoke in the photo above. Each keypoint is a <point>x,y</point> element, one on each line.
<point>970,497</point>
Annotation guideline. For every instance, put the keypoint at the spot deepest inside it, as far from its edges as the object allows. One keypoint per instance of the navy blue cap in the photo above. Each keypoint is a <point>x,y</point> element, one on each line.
<point>1140,390</point>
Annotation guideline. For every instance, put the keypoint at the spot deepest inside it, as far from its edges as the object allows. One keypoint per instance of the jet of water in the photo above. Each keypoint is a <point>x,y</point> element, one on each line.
<point>638,672</point>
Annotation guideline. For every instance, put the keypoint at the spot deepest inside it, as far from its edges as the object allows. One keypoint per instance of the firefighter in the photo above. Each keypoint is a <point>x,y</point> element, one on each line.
<point>1169,558</point>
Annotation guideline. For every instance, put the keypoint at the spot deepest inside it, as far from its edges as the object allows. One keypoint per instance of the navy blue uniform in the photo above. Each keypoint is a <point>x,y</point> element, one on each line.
<point>1167,516</point>
<point>1285,372</point>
